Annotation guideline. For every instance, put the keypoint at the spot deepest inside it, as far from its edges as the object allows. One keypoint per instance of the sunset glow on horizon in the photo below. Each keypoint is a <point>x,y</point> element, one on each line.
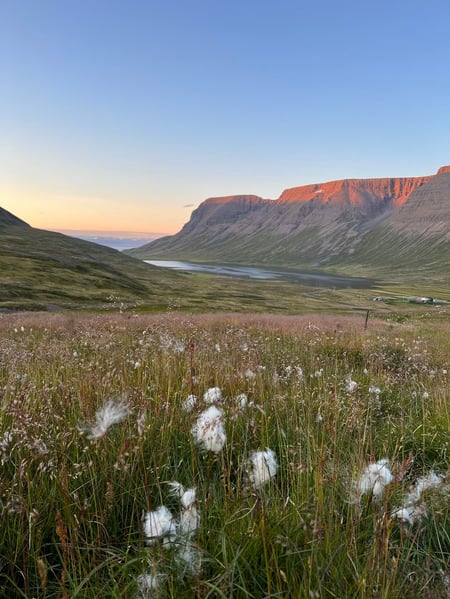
<point>126,118</point>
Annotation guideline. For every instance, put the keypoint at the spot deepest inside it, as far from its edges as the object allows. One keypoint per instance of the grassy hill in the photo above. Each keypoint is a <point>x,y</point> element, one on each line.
<point>41,269</point>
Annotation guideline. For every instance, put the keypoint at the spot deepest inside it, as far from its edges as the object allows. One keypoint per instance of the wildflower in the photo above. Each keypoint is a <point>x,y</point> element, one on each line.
<point>409,513</point>
<point>241,400</point>
<point>208,431</point>
<point>424,483</point>
<point>412,509</point>
<point>374,479</point>
<point>146,583</point>
<point>141,422</point>
<point>187,496</point>
<point>351,385</point>
<point>189,521</point>
<point>5,447</point>
<point>189,557</point>
<point>112,412</point>
<point>189,403</point>
<point>262,467</point>
<point>159,524</point>
<point>211,395</point>
<point>375,390</point>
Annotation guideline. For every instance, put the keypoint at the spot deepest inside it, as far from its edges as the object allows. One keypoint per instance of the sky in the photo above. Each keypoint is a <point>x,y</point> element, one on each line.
<point>126,115</point>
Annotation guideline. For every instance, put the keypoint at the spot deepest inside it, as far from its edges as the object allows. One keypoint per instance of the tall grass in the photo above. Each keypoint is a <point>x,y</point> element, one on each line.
<point>327,397</point>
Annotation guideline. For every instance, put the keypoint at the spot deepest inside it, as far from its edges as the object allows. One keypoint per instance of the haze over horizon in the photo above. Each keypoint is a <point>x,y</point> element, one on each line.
<point>126,117</point>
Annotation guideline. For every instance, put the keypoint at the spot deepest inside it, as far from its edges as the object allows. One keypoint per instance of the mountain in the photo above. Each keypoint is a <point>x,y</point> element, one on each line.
<point>8,219</point>
<point>41,269</point>
<point>350,225</point>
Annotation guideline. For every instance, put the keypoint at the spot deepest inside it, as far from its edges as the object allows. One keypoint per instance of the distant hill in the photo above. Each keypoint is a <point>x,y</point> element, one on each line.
<point>7,219</point>
<point>349,226</point>
<point>44,269</point>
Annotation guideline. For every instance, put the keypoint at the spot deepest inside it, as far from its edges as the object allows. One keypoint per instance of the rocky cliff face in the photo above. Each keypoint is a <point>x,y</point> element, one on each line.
<point>356,192</point>
<point>313,225</point>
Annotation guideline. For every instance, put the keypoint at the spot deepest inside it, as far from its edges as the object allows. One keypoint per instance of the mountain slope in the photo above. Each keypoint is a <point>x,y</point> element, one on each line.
<point>416,237</point>
<point>9,219</point>
<point>335,225</point>
<point>49,268</point>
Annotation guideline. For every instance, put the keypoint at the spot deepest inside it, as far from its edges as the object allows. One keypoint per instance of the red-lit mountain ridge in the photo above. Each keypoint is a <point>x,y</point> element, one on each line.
<point>344,225</point>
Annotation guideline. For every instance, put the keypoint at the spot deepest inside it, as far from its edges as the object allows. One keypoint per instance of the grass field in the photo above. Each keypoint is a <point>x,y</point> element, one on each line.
<point>225,456</point>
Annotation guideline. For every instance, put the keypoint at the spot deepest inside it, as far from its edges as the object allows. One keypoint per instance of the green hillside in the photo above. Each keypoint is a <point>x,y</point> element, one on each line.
<point>41,268</point>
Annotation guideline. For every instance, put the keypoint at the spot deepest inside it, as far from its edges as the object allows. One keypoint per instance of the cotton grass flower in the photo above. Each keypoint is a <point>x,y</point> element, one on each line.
<point>112,412</point>
<point>213,394</point>
<point>374,479</point>
<point>409,513</point>
<point>209,431</point>
<point>351,386</point>
<point>147,583</point>
<point>187,554</point>
<point>412,508</point>
<point>423,484</point>
<point>188,557</point>
<point>189,403</point>
<point>159,524</point>
<point>241,400</point>
<point>262,466</point>
<point>187,496</point>
<point>374,390</point>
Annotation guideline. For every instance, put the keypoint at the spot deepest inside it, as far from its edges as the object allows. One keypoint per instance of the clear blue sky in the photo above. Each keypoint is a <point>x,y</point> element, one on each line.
<point>126,115</point>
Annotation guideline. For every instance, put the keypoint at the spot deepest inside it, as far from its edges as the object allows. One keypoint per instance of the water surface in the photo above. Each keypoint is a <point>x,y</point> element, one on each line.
<point>311,279</point>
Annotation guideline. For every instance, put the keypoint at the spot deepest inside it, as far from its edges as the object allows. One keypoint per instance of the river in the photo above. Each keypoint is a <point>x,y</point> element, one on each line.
<point>310,279</point>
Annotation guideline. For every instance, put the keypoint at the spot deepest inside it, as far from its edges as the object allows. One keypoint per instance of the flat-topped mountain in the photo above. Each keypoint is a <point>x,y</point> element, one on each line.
<point>356,192</point>
<point>339,225</point>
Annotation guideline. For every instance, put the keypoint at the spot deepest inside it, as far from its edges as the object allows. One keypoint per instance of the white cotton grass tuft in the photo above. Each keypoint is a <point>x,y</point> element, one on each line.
<point>189,403</point>
<point>147,583</point>
<point>159,525</point>
<point>189,519</point>
<point>189,558</point>
<point>213,394</point>
<point>111,412</point>
<point>209,430</point>
<point>262,466</point>
<point>374,479</point>
<point>424,483</point>
<point>412,508</point>
<point>187,496</point>
<point>409,514</point>
<point>351,385</point>
<point>187,555</point>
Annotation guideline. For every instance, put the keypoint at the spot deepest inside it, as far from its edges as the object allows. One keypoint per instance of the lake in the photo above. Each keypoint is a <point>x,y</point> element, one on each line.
<point>311,279</point>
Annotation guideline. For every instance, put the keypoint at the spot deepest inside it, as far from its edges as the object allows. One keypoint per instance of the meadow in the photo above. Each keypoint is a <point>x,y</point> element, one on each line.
<point>224,456</point>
